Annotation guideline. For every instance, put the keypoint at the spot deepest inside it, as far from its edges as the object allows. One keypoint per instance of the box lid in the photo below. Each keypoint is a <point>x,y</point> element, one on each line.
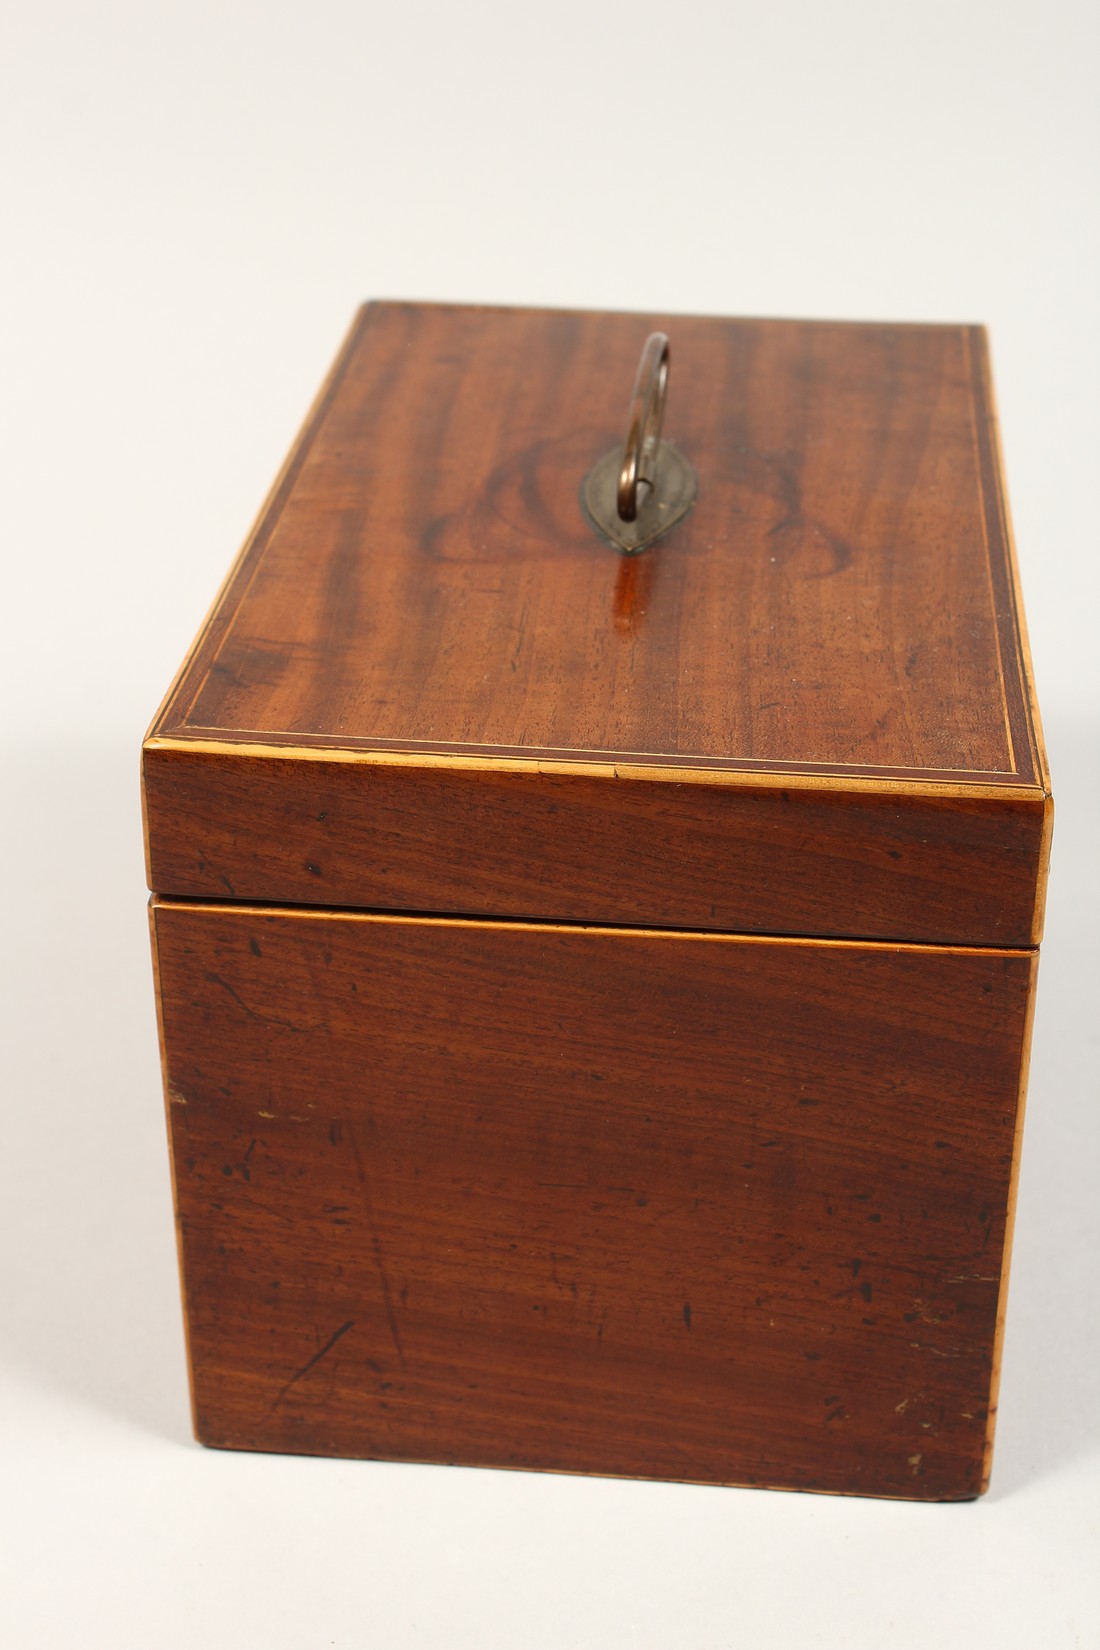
<point>430,684</point>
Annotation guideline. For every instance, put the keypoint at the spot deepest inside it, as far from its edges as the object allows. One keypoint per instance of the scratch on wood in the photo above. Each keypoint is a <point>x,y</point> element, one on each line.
<point>336,1335</point>
<point>379,1257</point>
<point>936,1351</point>
<point>263,1019</point>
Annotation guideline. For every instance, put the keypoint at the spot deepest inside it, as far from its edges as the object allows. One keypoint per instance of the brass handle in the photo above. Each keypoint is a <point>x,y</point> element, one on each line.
<point>643,433</point>
<point>620,494</point>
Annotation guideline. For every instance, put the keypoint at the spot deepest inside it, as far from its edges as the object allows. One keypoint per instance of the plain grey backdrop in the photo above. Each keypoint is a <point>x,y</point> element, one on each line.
<point>193,199</point>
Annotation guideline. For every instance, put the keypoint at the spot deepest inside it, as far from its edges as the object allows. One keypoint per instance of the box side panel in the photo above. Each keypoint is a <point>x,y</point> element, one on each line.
<point>652,1204</point>
<point>784,859</point>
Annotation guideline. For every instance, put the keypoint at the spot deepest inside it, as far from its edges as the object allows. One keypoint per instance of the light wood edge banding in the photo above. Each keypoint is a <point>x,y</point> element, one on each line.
<point>314,913</point>
<point>1034,717</point>
<point>1010,1224</point>
<point>167,1090</point>
<point>654,774</point>
<point>298,446</point>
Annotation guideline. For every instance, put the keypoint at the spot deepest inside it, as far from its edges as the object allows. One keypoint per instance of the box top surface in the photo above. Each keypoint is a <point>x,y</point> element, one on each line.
<point>840,602</point>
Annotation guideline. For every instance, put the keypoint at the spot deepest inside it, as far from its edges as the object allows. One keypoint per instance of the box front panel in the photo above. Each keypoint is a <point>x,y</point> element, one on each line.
<point>606,1200</point>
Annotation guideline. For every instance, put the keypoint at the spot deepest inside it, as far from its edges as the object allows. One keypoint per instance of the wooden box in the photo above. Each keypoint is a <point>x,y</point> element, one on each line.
<point>595,987</point>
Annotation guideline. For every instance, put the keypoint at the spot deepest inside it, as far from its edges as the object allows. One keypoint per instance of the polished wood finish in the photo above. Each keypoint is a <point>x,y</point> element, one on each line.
<point>839,609</point>
<point>839,596</point>
<point>705,1168</point>
<point>682,1205</point>
<point>775,859</point>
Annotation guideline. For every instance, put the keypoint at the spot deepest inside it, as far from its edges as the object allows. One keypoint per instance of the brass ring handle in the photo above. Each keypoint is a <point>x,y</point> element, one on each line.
<point>625,500</point>
<point>643,434</point>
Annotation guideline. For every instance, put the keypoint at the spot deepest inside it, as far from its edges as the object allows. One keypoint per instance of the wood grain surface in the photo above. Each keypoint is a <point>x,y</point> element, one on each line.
<point>840,596</point>
<point>778,859</point>
<point>426,677</point>
<point>656,1204</point>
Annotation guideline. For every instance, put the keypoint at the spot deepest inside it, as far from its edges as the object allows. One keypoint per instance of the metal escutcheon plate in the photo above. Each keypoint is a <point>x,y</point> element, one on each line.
<point>661,508</point>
